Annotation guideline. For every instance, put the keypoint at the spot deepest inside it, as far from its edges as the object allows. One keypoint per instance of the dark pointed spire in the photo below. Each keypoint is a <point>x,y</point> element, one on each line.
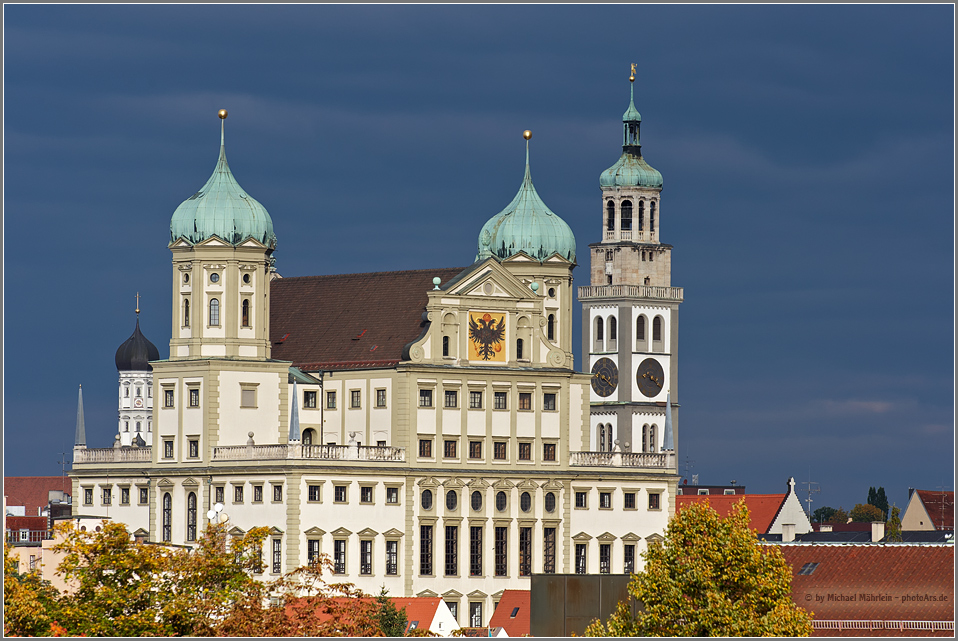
<point>294,417</point>
<point>80,439</point>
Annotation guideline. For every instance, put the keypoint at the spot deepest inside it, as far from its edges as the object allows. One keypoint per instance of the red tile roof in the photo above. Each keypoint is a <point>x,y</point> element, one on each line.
<point>940,507</point>
<point>874,582</point>
<point>349,321</point>
<point>502,618</point>
<point>763,508</point>
<point>420,609</point>
<point>35,523</point>
<point>32,492</point>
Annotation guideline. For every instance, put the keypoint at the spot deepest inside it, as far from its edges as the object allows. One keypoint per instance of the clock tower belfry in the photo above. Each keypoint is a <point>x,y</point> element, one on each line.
<point>630,311</point>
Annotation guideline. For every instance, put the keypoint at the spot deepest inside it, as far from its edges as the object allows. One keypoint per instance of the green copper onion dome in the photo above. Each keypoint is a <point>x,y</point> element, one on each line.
<point>526,225</point>
<point>631,170</point>
<point>223,209</point>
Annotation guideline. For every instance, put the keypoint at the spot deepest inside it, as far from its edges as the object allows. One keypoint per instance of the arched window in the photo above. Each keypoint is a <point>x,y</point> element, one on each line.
<point>652,439</point>
<point>186,312</point>
<point>645,437</point>
<point>245,312</point>
<point>214,312</point>
<point>612,332</point>
<point>601,437</point>
<point>445,346</point>
<point>598,329</point>
<point>308,436</point>
<point>657,329</point>
<point>139,391</point>
<point>640,328</point>
<point>126,392</point>
<point>598,340</point>
<point>518,348</point>
<point>605,437</point>
<point>138,425</point>
<point>610,216</point>
<point>450,335</point>
<point>191,516</point>
<point>641,215</point>
<point>652,217</point>
<point>626,223</point>
<point>167,517</point>
<point>551,327</point>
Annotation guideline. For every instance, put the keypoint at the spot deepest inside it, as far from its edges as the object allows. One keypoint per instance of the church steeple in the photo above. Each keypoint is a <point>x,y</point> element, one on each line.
<point>80,438</point>
<point>631,120</point>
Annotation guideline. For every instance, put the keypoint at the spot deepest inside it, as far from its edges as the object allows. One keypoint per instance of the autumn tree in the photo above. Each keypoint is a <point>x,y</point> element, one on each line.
<point>30,604</point>
<point>865,513</point>
<point>838,517</point>
<point>822,514</point>
<point>710,577</point>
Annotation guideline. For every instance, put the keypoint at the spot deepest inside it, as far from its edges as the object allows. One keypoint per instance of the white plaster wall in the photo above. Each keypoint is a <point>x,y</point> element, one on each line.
<point>452,420</point>
<point>526,420</point>
<point>425,419</point>
<point>501,423</point>
<point>550,423</point>
<point>236,422</point>
<point>601,419</point>
<point>650,312</point>
<point>476,421</point>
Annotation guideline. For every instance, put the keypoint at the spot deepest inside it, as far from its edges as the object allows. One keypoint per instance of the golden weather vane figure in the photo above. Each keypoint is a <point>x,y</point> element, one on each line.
<point>632,76</point>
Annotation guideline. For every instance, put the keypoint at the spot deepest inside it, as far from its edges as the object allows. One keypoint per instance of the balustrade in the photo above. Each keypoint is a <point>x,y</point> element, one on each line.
<point>622,459</point>
<point>113,455</point>
<point>309,452</point>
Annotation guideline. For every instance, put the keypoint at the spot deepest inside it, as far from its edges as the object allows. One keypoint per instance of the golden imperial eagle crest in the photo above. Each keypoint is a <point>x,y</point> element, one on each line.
<point>487,334</point>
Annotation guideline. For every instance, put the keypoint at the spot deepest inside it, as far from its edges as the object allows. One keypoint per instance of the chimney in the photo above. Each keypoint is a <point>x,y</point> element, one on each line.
<point>878,531</point>
<point>911,491</point>
<point>825,527</point>
<point>788,532</point>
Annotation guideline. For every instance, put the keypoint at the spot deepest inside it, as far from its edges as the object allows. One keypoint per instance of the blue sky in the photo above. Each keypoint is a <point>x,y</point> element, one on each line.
<point>807,152</point>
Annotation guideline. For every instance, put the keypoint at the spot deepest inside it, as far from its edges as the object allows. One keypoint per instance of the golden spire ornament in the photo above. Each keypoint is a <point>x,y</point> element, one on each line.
<point>138,303</point>
<point>632,77</point>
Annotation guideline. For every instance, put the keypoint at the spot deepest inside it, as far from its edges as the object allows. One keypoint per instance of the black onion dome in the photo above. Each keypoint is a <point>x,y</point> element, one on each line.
<point>135,354</point>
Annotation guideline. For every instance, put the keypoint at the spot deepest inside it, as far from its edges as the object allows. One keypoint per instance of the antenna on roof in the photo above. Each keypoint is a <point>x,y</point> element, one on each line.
<point>941,505</point>
<point>809,490</point>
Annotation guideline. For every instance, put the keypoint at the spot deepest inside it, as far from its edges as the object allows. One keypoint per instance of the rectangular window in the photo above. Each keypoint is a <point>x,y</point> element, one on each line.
<point>425,448</point>
<point>392,558</point>
<point>580,558</point>
<point>548,402</point>
<point>219,494</point>
<point>167,449</point>
<point>277,556</point>
<point>257,494</point>
<point>629,501</point>
<point>453,610</point>
<point>525,400</point>
<point>339,493</point>
<point>475,615</point>
<point>502,550</point>
<point>629,558</point>
<point>475,449</point>
<point>312,551</point>
<point>339,556</point>
<point>499,450</point>
<point>654,501</point>
<point>248,397</point>
<point>167,398</point>
<point>425,550</point>
<point>355,399</point>
<point>107,495</point>
<point>425,398</point>
<point>581,499</point>
<point>605,500</point>
<point>449,449</point>
<point>549,550</point>
<point>277,493</point>
<point>144,495</point>
<point>194,397</point>
<point>475,551</point>
<point>525,451</point>
<point>392,495</point>
<point>194,448</point>
<point>313,493</point>
<point>452,550</point>
<point>331,400</point>
<point>549,452</point>
<point>499,401</point>
<point>309,399</point>
<point>525,551</point>
<point>380,398</point>
<point>124,496</point>
<point>451,398</point>
<point>475,400</point>
<point>365,557</point>
<point>605,558</point>
<point>365,495</point>
<point>237,494</point>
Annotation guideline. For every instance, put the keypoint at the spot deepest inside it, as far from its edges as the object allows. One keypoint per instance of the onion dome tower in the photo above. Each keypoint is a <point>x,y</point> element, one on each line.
<point>135,399</point>
<point>222,242</point>
<point>631,170</point>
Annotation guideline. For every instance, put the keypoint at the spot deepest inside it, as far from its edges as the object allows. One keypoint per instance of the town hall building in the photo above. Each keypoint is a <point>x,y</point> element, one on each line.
<point>427,430</point>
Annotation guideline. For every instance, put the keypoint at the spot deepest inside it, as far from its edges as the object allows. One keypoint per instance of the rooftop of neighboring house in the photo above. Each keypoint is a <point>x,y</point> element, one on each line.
<point>685,488</point>
<point>763,508</point>
<point>33,492</point>
<point>512,613</point>
<point>940,507</point>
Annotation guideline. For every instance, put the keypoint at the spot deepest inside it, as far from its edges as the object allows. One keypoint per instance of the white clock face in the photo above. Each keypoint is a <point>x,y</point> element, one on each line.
<point>138,402</point>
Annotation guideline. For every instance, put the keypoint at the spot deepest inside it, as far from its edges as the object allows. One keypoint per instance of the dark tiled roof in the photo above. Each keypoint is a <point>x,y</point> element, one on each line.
<point>940,507</point>
<point>32,492</point>
<point>36,523</point>
<point>762,508</point>
<point>511,600</point>
<point>874,582</point>
<point>349,321</point>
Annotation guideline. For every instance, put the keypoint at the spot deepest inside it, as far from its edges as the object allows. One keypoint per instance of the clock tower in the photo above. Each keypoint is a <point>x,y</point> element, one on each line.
<point>631,310</point>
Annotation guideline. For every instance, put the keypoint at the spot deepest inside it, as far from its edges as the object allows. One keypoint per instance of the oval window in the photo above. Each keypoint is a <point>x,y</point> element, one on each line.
<point>525,502</point>
<point>501,501</point>
<point>550,502</point>
<point>451,500</point>
<point>426,499</point>
<point>186,278</point>
<point>214,278</point>
<point>477,500</point>
<point>246,278</point>
<point>552,292</point>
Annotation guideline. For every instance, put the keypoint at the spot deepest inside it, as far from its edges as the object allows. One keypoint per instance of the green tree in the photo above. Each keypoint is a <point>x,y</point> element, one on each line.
<point>710,577</point>
<point>893,529</point>
<point>838,517</point>
<point>881,501</point>
<point>392,622</point>
<point>822,514</point>
<point>865,513</point>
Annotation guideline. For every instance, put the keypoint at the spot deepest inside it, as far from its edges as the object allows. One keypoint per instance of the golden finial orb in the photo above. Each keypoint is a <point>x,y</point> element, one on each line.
<point>632,76</point>
<point>527,134</point>
<point>223,113</point>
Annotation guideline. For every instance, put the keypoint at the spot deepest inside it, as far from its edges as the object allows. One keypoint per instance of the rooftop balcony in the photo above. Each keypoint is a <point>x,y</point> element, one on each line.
<point>113,455</point>
<point>663,461</point>
<point>630,291</point>
<point>286,452</point>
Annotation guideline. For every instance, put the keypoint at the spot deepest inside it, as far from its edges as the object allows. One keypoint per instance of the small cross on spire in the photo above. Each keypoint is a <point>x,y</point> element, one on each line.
<point>138,303</point>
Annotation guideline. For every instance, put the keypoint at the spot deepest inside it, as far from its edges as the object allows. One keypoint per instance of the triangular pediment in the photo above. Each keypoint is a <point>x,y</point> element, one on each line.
<point>429,594</point>
<point>237,531</point>
<point>498,595</point>
<point>520,257</point>
<point>180,243</point>
<point>453,482</point>
<point>428,482</point>
<point>190,482</point>
<point>252,242</point>
<point>552,484</point>
<point>213,241</point>
<point>582,536</point>
<point>652,538</point>
<point>140,532</point>
<point>606,536</point>
<point>164,483</point>
<point>528,484</point>
<point>275,531</point>
<point>451,594</point>
<point>367,532</point>
<point>631,537</point>
<point>558,258</point>
<point>491,280</point>
<point>392,533</point>
<point>341,532</point>
<point>477,594</point>
<point>314,531</point>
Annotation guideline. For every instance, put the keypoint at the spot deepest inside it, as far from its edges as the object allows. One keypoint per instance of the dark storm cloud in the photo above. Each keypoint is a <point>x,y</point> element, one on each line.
<point>807,153</point>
